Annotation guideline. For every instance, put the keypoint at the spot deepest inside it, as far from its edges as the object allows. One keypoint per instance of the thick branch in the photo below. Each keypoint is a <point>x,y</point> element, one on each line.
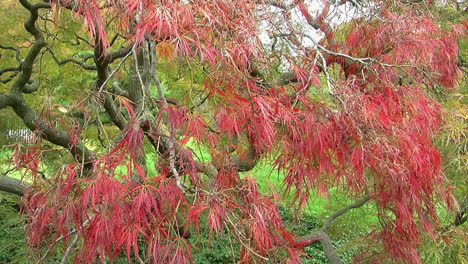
<point>242,162</point>
<point>323,238</point>
<point>326,243</point>
<point>12,185</point>
<point>34,123</point>
<point>5,100</point>
<point>30,87</point>
<point>118,54</point>
<point>34,51</point>
<point>332,217</point>
<point>102,76</point>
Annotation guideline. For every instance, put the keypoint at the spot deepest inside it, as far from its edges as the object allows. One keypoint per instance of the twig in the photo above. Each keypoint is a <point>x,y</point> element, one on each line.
<point>15,49</point>
<point>172,155</point>
<point>60,238</point>
<point>74,61</point>
<point>68,251</point>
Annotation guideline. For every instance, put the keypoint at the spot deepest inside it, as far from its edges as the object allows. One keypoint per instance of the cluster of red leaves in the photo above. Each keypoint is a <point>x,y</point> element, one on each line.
<point>375,140</point>
<point>396,122</point>
<point>210,30</point>
<point>117,207</point>
<point>109,210</point>
<point>429,52</point>
<point>28,160</point>
<point>111,213</point>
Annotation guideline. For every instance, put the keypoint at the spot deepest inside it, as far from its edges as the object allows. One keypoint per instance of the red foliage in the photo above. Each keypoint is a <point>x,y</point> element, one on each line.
<point>374,137</point>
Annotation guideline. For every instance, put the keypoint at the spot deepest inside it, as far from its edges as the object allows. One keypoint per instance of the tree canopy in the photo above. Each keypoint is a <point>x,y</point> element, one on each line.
<point>166,108</point>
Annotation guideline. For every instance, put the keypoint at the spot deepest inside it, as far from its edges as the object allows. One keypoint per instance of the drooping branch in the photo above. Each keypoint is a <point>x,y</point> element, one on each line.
<point>25,84</point>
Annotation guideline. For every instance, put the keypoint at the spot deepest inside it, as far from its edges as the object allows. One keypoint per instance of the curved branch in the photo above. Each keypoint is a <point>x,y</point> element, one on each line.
<point>10,78</point>
<point>34,51</point>
<point>114,38</point>
<point>15,49</point>
<point>30,87</point>
<point>332,217</point>
<point>325,241</point>
<point>102,77</point>
<point>120,53</point>
<point>322,237</point>
<point>78,37</point>
<point>5,100</point>
<point>9,69</point>
<point>82,64</point>
<point>246,161</point>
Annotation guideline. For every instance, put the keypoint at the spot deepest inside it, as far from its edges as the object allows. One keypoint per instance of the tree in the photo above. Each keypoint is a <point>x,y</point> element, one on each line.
<point>329,106</point>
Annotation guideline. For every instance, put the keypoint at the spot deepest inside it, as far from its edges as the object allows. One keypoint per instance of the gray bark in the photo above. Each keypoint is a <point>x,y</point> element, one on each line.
<point>12,185</point>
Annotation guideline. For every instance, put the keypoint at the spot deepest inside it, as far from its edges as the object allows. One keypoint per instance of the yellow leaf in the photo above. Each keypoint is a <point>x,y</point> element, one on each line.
<point>61,109</point>
<point>165,50</point>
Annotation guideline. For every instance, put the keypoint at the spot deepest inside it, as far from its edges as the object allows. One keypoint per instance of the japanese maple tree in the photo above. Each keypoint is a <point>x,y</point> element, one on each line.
<point>332,94</point>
